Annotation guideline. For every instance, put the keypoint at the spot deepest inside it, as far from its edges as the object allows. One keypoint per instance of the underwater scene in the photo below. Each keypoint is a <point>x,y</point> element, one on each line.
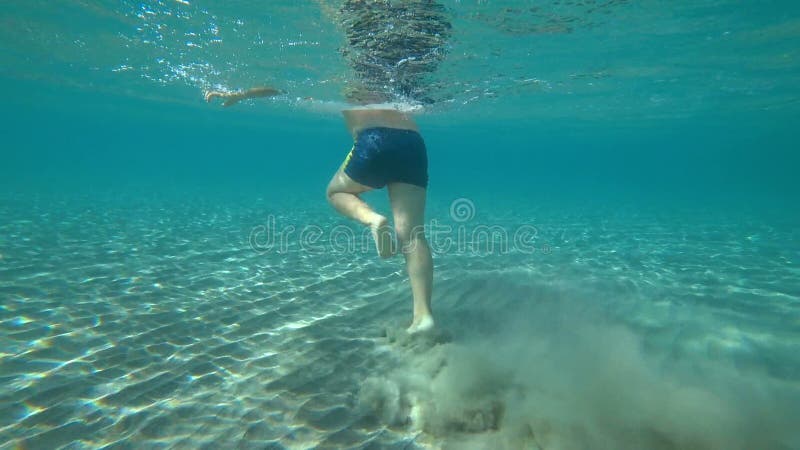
<point>587,212</point>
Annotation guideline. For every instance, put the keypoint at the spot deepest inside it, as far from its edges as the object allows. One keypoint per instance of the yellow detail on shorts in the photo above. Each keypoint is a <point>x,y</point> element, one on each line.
<point>347,158</point>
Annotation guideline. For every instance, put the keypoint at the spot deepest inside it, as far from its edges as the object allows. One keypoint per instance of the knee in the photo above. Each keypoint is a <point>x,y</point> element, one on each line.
<point>409,236</point>
<point>329,193</point>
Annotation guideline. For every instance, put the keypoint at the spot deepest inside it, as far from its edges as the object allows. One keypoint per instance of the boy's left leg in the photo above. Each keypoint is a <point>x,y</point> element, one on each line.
<point>343,194</point>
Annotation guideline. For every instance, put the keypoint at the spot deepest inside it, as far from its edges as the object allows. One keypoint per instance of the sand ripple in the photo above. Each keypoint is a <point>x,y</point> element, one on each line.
<point>158,326</point>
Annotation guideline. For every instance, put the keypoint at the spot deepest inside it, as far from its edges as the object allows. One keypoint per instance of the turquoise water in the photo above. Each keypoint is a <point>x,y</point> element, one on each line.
<point>648,150</point>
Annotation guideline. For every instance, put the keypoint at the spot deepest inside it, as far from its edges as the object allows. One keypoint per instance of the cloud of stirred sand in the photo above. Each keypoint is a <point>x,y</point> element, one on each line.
<point>547,383</point>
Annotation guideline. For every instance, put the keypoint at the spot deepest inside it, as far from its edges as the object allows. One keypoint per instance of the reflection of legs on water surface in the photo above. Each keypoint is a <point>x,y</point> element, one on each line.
<point>394,47</point>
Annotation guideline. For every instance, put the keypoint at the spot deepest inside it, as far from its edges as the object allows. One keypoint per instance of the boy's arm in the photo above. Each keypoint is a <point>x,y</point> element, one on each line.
<point>232,98</point>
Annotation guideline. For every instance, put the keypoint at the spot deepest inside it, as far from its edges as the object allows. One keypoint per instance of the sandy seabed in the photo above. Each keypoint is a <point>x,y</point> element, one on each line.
<point>157,325</point>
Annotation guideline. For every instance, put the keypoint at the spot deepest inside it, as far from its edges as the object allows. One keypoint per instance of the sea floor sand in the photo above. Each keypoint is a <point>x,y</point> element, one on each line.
<point>170,325</point>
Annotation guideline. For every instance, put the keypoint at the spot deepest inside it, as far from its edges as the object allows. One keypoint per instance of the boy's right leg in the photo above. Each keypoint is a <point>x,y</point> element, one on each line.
<point>408,207</point>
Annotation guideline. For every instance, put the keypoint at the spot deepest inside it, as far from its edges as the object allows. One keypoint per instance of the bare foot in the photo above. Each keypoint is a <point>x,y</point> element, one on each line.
<point>419,325</point>
<point>382,233</point>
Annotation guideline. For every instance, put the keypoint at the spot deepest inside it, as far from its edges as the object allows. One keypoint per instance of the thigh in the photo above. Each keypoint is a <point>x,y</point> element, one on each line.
<point>341,182</point>
<point>362,169</point>
<point>408,205</point>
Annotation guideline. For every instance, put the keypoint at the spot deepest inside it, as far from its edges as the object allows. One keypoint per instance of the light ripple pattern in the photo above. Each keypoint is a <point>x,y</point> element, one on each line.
<point>154,324</point>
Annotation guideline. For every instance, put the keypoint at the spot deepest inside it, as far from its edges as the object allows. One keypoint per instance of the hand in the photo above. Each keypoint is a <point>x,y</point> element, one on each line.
<point>231,98</point>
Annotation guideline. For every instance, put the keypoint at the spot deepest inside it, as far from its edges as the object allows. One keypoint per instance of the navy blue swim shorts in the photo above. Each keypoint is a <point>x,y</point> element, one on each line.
<point>387,155</point>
